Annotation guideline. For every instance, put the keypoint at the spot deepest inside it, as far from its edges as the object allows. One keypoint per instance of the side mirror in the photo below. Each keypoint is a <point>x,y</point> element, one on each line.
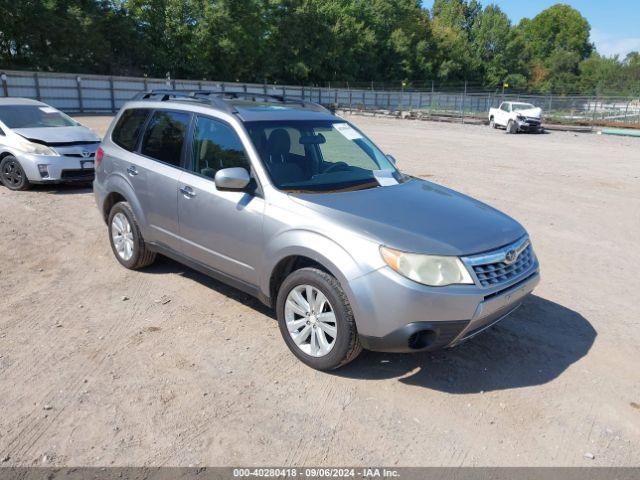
<point>236,178</point>
<point>392,159</point>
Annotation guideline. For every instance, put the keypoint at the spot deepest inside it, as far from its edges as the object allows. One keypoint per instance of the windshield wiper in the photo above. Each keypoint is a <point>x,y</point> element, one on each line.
<point>350,188</point>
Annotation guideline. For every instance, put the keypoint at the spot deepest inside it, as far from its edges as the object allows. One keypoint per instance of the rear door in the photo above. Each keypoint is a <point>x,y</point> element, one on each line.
<point>220,229</point>
<point>155,171</point>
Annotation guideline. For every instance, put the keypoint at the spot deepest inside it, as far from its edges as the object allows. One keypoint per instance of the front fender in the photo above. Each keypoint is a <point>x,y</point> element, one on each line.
<point>318,247</point>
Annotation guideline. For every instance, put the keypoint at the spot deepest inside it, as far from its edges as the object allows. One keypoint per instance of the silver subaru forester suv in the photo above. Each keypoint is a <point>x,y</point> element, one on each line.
<point>294,205</point>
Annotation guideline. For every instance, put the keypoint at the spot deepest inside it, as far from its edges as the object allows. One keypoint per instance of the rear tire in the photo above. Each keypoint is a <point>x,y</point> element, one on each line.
<point>12,175</point>
<point>126,240</point>
<point>492,123</point>
<point>344,346</point>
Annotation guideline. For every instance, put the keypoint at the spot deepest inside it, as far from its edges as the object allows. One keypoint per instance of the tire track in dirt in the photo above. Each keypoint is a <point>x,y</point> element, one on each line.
<point>36,425</point>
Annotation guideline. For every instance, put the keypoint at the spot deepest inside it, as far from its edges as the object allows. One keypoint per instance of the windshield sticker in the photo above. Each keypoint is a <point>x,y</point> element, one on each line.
<point>385,178</point>
<point>48,110</point>
<point>347,131</point>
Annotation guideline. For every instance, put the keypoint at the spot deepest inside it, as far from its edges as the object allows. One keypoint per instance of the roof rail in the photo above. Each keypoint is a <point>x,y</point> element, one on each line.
<point>217,98</point>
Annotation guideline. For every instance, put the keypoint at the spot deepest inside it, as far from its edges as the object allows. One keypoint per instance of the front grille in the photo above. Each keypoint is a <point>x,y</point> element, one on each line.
<point>532,121</point>
<point>79,155</point>
<point>497,273</point>
<point>79,173</point>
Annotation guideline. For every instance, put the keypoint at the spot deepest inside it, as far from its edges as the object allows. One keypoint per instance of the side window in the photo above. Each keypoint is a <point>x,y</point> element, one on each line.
<point>2,133</point>
<point>127,130</point>
<point>504,107</point>
<point>215,146</point>
<point>164,137</point>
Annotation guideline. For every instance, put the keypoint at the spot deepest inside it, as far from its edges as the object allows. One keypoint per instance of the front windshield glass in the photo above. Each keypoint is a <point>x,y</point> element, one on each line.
<point>34,116</point>
<point>321,156</point>
<point>521,106</point>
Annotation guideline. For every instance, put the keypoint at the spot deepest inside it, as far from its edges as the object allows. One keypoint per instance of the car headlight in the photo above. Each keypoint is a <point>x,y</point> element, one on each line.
<point>432,270</point>
<point>35,148</point>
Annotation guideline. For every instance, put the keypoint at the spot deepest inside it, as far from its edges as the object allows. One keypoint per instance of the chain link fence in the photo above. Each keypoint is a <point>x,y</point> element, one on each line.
<point>106,94</point>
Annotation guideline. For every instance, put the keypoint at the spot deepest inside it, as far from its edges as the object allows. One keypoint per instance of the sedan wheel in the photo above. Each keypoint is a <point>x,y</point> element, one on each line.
<point>122,236</point>
<point>12,175</point>
<point>311,320</point>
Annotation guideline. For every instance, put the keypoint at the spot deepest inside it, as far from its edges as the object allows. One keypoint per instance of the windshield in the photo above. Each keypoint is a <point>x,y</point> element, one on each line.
<point>321,156</point>
<point>521,106</point>
<point>34,116</point>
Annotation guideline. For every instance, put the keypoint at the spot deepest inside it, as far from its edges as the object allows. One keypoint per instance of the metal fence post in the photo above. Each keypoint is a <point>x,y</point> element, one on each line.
<point>36,82</point>
<point>5,87</point>
<point>79,87</point>
<point>464,99</point>
<point>112,94</point>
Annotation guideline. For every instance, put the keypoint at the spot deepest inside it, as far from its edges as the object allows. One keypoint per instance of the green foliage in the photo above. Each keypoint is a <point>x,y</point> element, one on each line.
<point>313,42</point>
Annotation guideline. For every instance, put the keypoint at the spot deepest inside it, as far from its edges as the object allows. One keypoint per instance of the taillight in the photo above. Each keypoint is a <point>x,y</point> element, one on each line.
<point>98,157</point>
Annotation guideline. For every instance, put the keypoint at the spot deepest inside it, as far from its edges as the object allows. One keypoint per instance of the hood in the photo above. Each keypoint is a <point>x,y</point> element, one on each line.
<point>53,135</point>
<point>530,112</point>
<point>418,216</point>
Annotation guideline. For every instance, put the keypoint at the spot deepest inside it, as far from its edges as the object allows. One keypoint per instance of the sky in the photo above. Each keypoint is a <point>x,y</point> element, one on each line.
<point>615,24</point>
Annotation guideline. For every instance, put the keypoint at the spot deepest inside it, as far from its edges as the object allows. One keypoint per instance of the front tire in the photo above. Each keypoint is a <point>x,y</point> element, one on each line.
<point>512,127</point>
<point>126,240</point>
<point>316,321</point>
<point>12,175</point>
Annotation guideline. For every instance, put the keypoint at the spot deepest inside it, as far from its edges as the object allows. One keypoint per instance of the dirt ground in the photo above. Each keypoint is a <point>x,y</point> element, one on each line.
<point>103,366</point>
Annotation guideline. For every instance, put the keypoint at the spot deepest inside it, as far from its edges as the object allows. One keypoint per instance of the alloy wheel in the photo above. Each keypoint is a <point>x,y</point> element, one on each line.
<point>12,173</point>
<point>311,320</point>
<point>122,236</point>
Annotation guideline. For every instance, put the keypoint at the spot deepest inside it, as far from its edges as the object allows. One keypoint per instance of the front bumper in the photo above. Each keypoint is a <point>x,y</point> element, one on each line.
<point>394,314</point>
<point>57,169</point>
<point>529,125</point>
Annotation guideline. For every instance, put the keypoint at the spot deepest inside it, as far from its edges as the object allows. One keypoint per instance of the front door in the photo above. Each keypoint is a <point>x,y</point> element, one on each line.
<point>221,229</point>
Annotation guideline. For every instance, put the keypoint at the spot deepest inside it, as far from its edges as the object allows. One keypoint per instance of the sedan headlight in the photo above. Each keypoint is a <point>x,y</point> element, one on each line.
<point>35,148</point>
<point>432,270</point>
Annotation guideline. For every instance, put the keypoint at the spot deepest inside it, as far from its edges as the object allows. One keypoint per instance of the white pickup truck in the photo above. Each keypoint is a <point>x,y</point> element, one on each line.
<point>516,117</point>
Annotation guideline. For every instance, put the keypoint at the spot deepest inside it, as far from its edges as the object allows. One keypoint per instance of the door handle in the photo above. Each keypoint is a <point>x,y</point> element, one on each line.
<point>187,191</point>
<point>132,170</point>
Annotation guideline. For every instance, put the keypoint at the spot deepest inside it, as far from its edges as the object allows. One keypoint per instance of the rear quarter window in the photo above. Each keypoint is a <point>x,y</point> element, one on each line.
<point>127,130</point>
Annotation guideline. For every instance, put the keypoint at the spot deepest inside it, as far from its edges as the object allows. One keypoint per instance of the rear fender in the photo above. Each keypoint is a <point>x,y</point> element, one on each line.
<point>116,183</point>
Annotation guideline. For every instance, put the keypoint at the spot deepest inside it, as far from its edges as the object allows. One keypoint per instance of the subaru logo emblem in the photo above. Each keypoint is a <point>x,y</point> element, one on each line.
<point>85,153</point>
<point>510,257</point>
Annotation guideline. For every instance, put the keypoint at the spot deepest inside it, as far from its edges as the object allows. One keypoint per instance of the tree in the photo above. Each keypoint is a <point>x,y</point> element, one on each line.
<point>452,22</point>
<point>493,42</point>
<point>557,40</point>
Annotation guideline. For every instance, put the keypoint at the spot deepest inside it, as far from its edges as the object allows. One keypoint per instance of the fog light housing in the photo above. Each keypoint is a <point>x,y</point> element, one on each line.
<point>44,170</point>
